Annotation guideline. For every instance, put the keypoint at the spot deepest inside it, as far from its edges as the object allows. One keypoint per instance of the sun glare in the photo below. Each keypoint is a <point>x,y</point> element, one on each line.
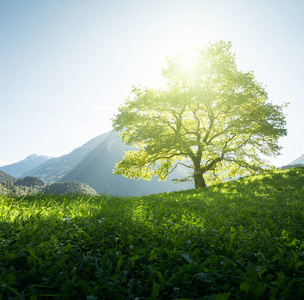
<point>170,43</point>
<point>187,63</point>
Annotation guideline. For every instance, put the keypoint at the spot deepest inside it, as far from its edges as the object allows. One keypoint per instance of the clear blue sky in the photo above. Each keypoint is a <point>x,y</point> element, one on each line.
<point>67,65</point>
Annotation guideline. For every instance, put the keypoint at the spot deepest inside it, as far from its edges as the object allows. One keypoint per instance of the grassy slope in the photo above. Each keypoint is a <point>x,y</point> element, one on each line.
<point>238,240</point>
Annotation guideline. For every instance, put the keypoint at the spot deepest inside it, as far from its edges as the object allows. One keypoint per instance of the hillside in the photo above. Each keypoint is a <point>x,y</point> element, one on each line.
<point>54,169</point>
<point>97,167</point>
<point>237,240</point>
<point>6,177</point>
<point>73,187</point>
<point>25,165</point>
<point>9,188</point>
<point>33,185</point>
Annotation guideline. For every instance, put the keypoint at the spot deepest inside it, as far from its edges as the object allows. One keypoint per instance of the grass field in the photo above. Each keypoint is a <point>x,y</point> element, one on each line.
<point>238,240</point>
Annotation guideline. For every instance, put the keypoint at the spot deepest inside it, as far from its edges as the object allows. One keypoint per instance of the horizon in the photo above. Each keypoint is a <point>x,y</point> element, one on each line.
<point>66,67</point>
<point>51,157</point>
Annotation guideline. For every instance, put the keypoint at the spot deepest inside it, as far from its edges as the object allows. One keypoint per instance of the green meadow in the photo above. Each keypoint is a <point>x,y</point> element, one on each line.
<point>238,240</point>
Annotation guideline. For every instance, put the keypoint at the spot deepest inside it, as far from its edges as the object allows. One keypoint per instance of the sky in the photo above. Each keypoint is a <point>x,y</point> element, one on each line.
<point>66,65</point>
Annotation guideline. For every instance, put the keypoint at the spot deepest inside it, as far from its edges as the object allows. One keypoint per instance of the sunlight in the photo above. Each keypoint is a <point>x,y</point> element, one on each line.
<point>187,63</point>
<point>169,43</point>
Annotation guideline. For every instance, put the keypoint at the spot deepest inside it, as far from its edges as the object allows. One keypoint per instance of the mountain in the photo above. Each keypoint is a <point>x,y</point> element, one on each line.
<point>6,177</point>
<point>64,188</point>
<point>96,171</point>
<point>29,181</point>
<point>298,161</point>
<point>54,169</point>
<point>93,164</point>
<point>33,186</point>
<point>25,165</point>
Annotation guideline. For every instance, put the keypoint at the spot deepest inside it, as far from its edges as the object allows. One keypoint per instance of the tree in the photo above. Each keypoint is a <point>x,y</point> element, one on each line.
<point>210,118</point>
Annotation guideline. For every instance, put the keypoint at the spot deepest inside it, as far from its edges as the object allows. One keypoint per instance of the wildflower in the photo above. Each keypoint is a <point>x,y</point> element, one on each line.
<point>131,247</point>
<point>176,290</point>
<point>116,239</point>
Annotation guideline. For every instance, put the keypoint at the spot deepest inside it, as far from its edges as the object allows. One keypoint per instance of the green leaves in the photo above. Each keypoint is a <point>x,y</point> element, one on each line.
<point>155,291</point>
<point>217,117</point>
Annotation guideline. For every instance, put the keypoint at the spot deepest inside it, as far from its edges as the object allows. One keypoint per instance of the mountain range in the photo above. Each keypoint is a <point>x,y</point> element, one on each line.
<point>93,164</point>
<point>25,165</point>
<point>54,169</point>
<point>96,171</point>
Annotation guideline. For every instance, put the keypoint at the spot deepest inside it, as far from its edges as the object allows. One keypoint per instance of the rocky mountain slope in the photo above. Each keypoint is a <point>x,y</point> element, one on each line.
<point>96,170</point>
<point>25,165</point>
<point>54,169</point>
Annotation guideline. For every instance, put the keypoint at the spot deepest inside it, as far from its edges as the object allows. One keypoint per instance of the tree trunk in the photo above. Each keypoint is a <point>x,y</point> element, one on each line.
<point>199,180</point>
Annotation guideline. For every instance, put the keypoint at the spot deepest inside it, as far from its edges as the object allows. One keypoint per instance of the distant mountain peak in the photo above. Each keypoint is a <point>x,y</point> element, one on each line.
<point>54,169</point>
<point>96,170</point>
<point>298,161</point>
<point>31,156</point>
<point>93,164</point>
<point>25,165</point>
<point>36,156</point>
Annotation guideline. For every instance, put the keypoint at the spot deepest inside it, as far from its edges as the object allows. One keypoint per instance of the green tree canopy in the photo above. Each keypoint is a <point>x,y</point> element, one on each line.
<point>210,117</point>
